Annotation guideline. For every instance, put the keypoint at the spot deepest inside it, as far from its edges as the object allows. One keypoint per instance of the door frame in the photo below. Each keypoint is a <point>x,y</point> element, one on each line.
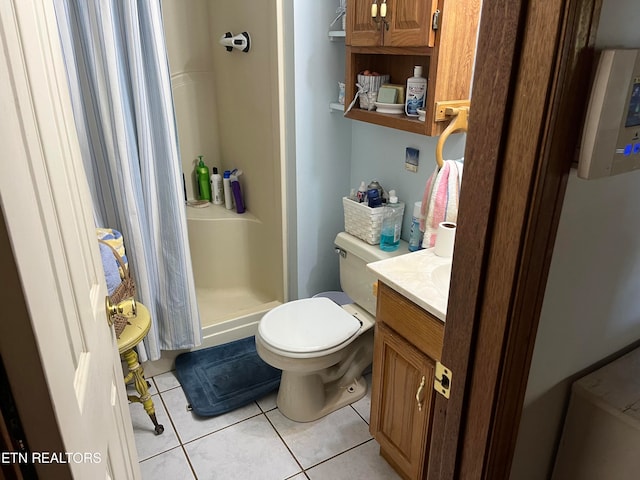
<point>521,142</point>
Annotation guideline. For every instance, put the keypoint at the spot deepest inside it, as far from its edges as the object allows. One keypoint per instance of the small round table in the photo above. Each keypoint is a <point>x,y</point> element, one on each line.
<point>131,336</point>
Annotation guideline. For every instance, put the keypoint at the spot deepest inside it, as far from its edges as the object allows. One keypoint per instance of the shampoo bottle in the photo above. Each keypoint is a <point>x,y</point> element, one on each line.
<point>416,92</point>
<point>216,187</point>
<point>237,192</point>
<point>228,195</point>
<point>202,174</point>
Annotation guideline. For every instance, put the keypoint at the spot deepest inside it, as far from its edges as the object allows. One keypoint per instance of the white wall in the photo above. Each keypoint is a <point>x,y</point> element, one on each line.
<point>334,154</point>
<point>323,143</point>
<point>591,307</point>
<point>379,153</point>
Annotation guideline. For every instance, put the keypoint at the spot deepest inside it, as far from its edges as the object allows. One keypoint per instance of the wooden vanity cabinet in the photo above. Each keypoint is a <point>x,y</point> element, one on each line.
<point>408,341</point>
<point>446,54</point>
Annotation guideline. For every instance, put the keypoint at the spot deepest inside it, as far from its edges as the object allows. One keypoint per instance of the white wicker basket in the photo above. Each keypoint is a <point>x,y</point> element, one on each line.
<point>363,221</point>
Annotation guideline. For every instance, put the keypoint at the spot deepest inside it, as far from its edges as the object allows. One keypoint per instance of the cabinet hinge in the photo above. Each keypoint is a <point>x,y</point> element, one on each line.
<point>435,21</point>
<point>442,381</point>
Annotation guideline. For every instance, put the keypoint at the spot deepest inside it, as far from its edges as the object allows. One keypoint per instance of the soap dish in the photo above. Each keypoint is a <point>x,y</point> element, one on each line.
<point>393,108</point>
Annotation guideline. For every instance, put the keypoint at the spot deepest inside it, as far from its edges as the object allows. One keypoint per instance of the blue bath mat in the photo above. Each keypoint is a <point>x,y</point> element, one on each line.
<point>219,379</point>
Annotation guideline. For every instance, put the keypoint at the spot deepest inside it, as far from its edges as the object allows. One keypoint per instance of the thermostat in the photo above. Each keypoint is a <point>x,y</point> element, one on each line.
<point>611,134</point>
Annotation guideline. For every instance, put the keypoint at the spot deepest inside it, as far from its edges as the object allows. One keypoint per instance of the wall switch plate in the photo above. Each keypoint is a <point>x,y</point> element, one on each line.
<point>411,159</point>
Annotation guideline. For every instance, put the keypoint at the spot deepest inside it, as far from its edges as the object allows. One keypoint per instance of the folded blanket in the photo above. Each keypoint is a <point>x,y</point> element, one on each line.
<point>111,268</point>
<point>113,238</point>
<point>440,200</point>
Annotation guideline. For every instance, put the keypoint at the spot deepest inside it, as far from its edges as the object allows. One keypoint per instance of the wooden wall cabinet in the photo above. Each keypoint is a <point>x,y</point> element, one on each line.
<point>408,341</point>
<point>439,35</point>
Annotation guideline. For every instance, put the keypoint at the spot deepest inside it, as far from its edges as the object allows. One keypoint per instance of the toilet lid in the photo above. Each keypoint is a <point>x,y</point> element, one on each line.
<point>307,325</point>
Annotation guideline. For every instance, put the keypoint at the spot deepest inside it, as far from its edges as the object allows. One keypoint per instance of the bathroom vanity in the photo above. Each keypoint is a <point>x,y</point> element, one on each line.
<point>409,332</point>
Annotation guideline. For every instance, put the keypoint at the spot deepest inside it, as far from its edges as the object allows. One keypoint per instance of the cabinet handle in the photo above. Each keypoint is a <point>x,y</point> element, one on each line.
<point>374,12</point>
<point>383,14</point>
<point>419,394</point>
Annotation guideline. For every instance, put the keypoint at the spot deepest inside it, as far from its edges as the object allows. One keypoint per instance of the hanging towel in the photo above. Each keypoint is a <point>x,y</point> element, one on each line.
<point>440,200</point>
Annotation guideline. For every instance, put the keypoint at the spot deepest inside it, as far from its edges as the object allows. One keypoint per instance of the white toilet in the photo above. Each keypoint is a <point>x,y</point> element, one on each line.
<point>322,348</point>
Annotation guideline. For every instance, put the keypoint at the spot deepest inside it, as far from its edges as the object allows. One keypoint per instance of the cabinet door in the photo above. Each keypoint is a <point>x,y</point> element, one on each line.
<point>362,31</point>
<point>409,23</point>
<point>401,401</point>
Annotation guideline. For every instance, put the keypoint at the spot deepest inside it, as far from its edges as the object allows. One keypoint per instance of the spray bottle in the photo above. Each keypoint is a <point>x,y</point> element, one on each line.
<point>202,175</point>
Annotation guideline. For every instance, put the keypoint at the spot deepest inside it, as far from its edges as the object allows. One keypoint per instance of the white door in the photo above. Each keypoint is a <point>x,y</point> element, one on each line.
<point>46,204</point>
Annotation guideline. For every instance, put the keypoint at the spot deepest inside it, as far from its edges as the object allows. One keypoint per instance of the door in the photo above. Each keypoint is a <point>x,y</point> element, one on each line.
<point>362,31</point>
<point>401,400</point>
<point>410,23</point>
<point>532,78</point>
<point>46,205</point>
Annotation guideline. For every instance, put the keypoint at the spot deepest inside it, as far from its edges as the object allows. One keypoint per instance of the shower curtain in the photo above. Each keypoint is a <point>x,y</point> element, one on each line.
<point>120,86</point>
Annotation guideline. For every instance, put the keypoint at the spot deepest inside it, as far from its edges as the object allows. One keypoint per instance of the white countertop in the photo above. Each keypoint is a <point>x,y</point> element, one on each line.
<point>411,276</point>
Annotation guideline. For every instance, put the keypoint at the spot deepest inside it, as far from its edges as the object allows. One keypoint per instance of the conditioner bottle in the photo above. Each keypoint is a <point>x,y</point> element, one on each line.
<point>217,192</point>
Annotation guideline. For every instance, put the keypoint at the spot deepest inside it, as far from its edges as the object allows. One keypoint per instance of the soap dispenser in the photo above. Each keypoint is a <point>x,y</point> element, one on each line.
<point>202,175</point>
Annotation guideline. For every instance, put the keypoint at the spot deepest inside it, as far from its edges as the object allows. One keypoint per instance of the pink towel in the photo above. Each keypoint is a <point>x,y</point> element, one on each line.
<point>440,200</point>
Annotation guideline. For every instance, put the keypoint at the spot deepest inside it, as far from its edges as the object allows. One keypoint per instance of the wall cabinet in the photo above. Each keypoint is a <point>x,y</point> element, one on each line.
<point>439,35</point>
<point>399,23</point>
<point>408,341</point>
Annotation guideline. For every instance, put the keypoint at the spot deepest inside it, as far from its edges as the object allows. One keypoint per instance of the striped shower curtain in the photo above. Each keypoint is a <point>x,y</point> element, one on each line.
<point>119,80</point>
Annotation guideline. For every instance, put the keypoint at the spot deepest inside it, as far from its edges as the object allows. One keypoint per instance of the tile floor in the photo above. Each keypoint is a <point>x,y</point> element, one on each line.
<point>254,442</point>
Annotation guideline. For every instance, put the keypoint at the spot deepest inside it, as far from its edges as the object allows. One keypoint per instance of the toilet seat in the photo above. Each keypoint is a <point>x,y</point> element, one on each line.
<point>308,325</point>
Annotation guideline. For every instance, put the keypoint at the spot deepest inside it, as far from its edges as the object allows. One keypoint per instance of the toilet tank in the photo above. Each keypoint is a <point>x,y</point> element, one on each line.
<point>355,280</point>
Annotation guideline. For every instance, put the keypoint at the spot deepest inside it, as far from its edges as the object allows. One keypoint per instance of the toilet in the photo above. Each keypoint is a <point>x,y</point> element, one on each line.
<point>321,347</point>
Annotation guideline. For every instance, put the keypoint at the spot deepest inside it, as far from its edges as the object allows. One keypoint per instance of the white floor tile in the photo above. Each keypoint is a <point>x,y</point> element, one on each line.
<point>363,406</point>
<point>268,402</point>
<point>166,381</point>
<point>314,442</point>
<point>147,442</point>
<point>300,476</point>
<point>189,426</point>
<point>361,463</point>
<point>247,450</point>
<point>170,465</point>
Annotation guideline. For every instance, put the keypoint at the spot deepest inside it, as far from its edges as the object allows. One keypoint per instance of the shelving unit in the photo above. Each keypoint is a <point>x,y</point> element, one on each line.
<point>394,44</point>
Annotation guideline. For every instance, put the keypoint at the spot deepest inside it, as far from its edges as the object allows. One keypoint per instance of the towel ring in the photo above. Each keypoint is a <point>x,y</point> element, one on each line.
<point>460,122</point>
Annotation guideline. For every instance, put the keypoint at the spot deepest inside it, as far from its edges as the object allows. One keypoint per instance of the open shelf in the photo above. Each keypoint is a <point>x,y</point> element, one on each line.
<point>400,122</point>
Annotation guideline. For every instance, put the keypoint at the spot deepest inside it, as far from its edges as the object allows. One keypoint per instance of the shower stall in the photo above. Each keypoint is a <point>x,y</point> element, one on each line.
<point>227,109</point>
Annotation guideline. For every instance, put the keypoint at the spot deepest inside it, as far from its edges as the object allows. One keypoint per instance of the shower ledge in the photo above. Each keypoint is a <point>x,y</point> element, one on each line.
<point>218,212</point>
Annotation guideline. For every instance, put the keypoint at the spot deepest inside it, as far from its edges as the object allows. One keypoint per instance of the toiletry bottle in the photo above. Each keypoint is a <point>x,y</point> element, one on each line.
<point>377,186</point>
<point>237,192</point>
<point>415,235</point>
<point>216,187</point>
<point>202,174</point>
<point>416,92</point>
<point>228,195</point>
<point>362,192</point>
<point>391,224</point>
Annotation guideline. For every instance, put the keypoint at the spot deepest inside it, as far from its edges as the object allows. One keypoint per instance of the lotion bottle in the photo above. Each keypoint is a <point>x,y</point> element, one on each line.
<point>416,92</point>
<point>217,192</point>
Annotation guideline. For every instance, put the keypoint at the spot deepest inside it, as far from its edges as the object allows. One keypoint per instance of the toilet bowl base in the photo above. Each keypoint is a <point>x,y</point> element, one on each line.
<point>305,398</point>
